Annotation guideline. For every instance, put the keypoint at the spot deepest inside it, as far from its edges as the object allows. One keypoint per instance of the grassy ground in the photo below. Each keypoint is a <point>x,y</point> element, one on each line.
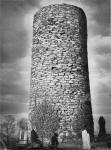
<point>66,148</point>
<point>97,146</point>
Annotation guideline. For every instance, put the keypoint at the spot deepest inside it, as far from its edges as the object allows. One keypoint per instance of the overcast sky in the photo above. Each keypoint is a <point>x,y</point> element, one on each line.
<point>16,29</point>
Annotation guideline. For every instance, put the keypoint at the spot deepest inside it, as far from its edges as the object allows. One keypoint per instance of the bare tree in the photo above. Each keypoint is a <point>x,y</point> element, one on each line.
<point>8,128</point>
<point>45,119</point>
<point>23,124</point>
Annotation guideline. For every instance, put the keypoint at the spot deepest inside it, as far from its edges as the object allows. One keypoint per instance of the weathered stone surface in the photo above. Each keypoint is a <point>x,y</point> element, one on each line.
<point>59,70</point>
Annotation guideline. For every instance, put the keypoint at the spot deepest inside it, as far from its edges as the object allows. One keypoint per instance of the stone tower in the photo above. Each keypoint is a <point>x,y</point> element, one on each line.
<point>59,71</point>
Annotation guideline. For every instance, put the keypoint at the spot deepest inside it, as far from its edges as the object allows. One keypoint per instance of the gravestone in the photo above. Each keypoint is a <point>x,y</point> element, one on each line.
<point>86,140</point>
<point>23,137</point>
<point>102,130</point>
<point>59,71</point>
<point>102,136</point>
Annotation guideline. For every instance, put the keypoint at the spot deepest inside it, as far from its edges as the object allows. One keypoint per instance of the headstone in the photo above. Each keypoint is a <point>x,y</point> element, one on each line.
<point>86,140</point>
<point>34,136</point>
<point>35,139</point>
<point>60,138</point>
<point>54,140</point>
<point>23,137</point>
<point>102,131</point>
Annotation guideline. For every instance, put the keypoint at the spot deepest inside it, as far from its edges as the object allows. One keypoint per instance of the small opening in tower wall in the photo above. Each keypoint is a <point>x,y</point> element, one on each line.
<point>53,68</point>
<point>81,106</point>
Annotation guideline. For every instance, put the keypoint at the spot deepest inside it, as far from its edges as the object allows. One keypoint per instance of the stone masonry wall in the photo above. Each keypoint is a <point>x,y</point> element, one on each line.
<point>59,70</point>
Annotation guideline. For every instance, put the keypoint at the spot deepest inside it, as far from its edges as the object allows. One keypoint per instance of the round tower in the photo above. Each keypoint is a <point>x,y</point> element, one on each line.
<point>59,71</point>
